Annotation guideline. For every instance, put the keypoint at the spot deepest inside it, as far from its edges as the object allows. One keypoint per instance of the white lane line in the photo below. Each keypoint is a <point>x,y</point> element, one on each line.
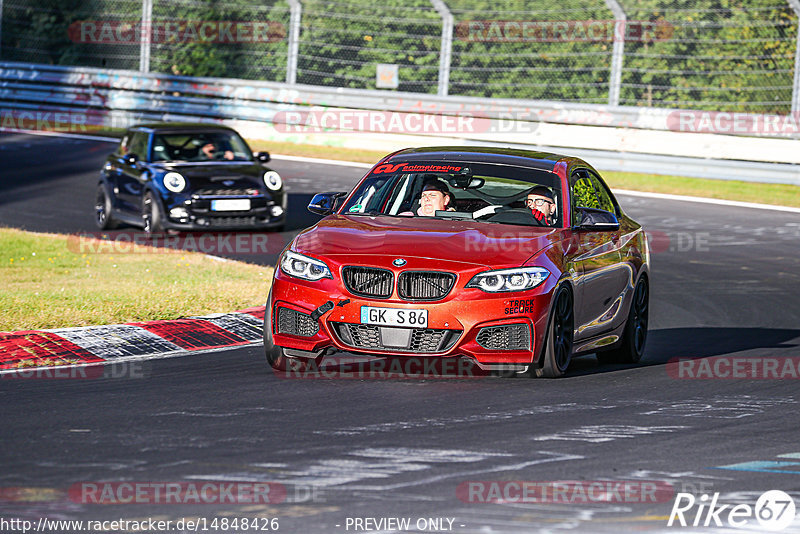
<point>322,161</point>
<point>704,200</point>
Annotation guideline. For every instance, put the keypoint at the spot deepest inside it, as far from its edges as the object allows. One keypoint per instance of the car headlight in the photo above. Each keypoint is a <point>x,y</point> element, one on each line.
<point>300,266</point>
<point>175,182</point>
<point>272,180</point>
<point>520,279</point>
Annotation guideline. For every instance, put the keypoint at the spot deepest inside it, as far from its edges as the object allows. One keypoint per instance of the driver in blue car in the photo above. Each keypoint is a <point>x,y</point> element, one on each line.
<point>209,151</point>
<point>542,205</point>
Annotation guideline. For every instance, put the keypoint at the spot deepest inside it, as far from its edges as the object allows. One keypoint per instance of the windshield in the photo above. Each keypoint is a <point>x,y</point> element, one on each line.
<point>466,191</point>
<point>214,145</point>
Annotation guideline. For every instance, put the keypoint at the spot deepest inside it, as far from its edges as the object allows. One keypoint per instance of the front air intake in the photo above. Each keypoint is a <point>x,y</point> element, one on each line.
<point>296,323</point>
<point>506,337</point>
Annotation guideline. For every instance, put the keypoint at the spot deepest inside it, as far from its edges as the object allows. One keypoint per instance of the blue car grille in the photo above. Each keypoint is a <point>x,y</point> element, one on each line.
<point>226,192</point>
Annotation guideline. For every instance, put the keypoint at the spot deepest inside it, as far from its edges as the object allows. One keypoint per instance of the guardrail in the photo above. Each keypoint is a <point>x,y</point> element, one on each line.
<point>100,80</point>
<point>613,137</point>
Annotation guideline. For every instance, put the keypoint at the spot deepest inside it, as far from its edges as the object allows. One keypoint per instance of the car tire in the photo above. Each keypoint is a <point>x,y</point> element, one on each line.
<point>102,209</point>
<point>278,360</point>
<point>151,215</point>
<point>560,331</point>
<point>634,337</point>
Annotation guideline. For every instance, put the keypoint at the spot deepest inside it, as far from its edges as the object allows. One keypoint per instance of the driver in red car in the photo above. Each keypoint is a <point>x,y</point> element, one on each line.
<point>543,207</point>
<point>435,197</point>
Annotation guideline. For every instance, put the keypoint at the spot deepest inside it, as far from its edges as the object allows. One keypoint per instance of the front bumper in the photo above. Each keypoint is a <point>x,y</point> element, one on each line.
<point>225,223</point>
<point>489,328</point>
<point>195,213</point>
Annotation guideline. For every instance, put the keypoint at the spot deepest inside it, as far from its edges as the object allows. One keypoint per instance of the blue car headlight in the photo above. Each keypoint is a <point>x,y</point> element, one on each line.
<point>503,280</point>
<point>301,266</point>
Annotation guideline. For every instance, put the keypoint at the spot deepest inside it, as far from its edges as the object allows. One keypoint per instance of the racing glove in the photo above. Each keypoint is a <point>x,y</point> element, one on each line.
<point>539,216</point>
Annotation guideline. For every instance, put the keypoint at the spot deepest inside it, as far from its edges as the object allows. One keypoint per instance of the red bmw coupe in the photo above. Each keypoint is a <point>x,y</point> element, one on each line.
<point>517,260</point>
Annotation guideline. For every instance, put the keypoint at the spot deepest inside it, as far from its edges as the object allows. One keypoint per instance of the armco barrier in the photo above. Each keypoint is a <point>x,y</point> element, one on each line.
<point>613,137</point>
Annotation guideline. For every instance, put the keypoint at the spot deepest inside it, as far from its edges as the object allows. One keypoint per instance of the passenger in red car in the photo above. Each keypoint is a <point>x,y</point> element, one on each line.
<point>543,207</point>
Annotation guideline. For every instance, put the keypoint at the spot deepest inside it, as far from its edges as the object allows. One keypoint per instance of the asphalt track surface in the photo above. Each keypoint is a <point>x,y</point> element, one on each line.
<point>724,284</point>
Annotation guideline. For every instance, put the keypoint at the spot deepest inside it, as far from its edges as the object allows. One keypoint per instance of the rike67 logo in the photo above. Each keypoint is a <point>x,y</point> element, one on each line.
<point>774,510</point>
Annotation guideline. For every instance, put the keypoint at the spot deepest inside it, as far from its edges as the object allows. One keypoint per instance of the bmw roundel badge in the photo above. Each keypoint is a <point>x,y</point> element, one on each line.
<point>399,262</point>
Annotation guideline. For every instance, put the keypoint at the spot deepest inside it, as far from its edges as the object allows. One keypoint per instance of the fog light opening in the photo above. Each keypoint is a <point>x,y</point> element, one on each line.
<point>179,213</point>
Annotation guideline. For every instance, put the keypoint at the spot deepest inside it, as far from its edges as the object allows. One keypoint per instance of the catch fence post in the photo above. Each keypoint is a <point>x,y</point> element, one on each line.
<point>296,12</point>
<point>615,77</point>
<point>446,49</point>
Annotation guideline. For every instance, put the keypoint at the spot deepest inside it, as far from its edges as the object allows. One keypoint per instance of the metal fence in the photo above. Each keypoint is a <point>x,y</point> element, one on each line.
<point>724,55</point>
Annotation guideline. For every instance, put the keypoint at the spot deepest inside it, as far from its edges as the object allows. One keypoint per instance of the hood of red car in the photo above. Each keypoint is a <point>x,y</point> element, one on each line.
<point>468,242</point>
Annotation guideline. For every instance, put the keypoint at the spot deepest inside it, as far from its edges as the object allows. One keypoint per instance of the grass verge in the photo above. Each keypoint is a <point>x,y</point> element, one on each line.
<point>317,151</point>
<point>47,285</point>
<point>775,194</point>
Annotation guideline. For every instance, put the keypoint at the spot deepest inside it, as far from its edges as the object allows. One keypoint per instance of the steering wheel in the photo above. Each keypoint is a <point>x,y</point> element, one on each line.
<point>486,211</point>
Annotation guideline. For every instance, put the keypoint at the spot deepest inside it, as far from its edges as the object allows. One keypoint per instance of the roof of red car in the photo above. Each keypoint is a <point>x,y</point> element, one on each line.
<point>477,154</point>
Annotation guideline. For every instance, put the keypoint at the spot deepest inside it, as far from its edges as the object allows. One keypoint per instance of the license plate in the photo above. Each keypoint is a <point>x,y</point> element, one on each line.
<point>231,204</point>
<point>394,317</point>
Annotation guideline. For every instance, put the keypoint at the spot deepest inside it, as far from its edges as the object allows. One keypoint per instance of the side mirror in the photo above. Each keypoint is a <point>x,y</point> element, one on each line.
<point>263,157</point>
<point>130,159</point>
<point>324,203</point>
<point>597,220</point>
